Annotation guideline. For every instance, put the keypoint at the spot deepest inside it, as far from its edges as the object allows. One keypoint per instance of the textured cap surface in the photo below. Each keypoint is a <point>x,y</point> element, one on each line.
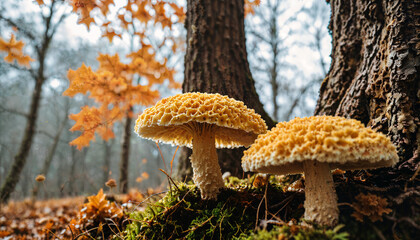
<point>234,124</point>
<point>344,143</point>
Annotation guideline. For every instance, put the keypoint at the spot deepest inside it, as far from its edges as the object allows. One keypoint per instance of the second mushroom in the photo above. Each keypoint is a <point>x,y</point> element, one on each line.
<point>314,146</point>
<point>202,122</point>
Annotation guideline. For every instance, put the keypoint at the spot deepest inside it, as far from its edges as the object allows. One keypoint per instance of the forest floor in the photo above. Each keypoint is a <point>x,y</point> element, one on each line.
<point>38,219</point>
<point>58,218</point>
<point>251,208</point>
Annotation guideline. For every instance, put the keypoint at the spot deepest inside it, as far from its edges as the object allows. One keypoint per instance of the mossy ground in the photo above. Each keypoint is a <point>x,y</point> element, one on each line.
<point>240,212</point>
<point>273,209</point>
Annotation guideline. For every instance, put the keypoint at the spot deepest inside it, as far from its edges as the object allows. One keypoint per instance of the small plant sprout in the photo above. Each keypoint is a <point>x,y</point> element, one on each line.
<point>315,146</point>
<point>202,122</point>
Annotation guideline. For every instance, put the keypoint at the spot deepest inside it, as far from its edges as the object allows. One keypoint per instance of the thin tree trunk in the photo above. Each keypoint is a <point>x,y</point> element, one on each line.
<point>20,159</point>
<point>216,62</point>
<point>72,177</point>
<point>76,156</point>
<point>274,44</point>
<point>107,161</point>
<point>50,156</point>
<point>125,155</point>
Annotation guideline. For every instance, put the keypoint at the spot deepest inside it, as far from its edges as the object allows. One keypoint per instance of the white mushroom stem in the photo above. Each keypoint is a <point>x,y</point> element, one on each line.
<point>206,170</point>
<point>320,197</point>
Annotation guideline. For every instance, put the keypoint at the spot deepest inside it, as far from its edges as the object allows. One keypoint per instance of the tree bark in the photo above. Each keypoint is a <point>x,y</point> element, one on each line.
<point>125,155</point>
<point>374,70</point>
<point>216,62</point>
<point>20,159</point>
<point>373,77</point>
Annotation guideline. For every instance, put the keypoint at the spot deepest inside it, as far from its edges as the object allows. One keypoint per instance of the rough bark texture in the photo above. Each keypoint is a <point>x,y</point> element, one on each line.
<point>125,155</point>
<point>216,62</point>
<point>374,70</point>
<point>373,77</point>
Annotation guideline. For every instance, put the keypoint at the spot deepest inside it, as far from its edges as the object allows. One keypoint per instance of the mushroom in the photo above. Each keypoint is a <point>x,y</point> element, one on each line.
<point>202,122</point>
<point>315,146</point>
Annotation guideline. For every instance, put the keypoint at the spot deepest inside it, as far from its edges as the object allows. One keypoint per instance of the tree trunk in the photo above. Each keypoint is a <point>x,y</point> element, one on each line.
<point>374,78</point>
<point>216,62</point>
<point>20,159</point>
<point>39,76</point>
<point>77,157</point>
<point>107,161</point>
<point>375,64</point>
<point>125,155</point>
<point>50,156</point>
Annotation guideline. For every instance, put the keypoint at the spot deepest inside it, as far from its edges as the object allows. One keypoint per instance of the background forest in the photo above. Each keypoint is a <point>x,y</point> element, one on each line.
<point>288,48</point>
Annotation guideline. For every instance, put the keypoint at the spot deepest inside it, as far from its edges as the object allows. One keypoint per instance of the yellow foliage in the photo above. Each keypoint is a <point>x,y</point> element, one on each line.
<point>112,86</point>
<point>250,5</point>
<point>115,85</point>
<point>14,49</point>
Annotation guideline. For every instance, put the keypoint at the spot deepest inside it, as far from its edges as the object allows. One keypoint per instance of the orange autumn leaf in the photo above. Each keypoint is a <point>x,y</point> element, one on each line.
<point>142,14</point>
<point>179,12</point>
<point>84,7</point>
<point>110,34</point>
<point>250,5</point>
<point>104,5</point>
<point>110,85</point>
<point>86,21</point>
<point>90,120</point>
<point>80,80</point>
<point>97,211</point>
<point>115,85</point>
<point>14,50</point>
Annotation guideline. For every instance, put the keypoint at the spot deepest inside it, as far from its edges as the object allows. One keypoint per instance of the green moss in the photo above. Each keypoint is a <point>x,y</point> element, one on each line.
<point>298,232</point>
<point>240,209</point>
<point>183,214</point>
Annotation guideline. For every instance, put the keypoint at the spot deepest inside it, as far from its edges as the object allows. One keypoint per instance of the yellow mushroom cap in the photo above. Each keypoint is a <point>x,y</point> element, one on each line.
<point>235,125</point>
<point>343,143</point>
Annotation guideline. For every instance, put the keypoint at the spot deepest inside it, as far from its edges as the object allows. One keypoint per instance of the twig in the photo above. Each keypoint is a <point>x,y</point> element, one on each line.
<point>289,200</point>
<point>170,178</point>
<point>378,232</point>
<point>161,155</point>
<point>405,219</point>
<point>3,109</point>
<point>259,205</point>
<point>173,158</point>
<point>146,199</point>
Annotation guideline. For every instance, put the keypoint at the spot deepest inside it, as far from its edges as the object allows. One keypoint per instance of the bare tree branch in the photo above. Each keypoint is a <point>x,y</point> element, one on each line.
<point>3,109</point>
<point>21,29</point>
